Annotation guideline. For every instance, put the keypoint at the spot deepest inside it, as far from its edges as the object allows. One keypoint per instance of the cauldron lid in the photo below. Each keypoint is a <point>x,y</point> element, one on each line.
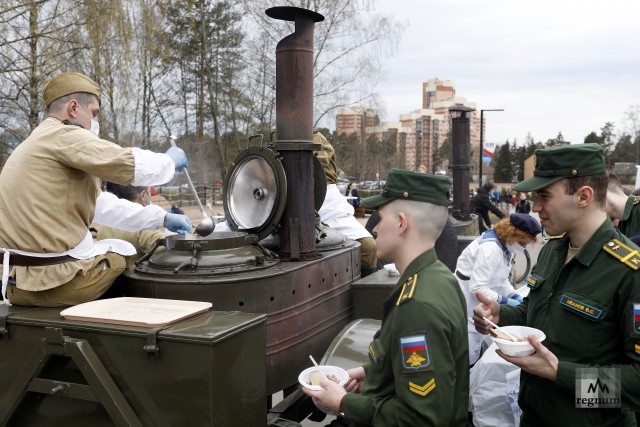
<point>255,192</point>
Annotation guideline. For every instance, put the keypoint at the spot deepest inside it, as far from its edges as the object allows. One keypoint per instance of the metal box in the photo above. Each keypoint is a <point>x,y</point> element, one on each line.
<point>370,292</point>
<point>208,370</point>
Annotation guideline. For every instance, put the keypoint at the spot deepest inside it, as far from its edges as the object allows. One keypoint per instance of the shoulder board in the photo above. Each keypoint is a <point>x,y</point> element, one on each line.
<point>407,289</point>
<point>625,254</point>
<point>555,237</point>
<point>636,200</point>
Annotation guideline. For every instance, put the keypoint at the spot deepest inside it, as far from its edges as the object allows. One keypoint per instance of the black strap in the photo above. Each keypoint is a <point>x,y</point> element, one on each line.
<point>31,261</point>
<point>462,276</point>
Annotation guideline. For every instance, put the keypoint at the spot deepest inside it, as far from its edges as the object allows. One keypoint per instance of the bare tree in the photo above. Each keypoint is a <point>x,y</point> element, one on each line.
<point>207,41</point>
<point>349,45</point>
<point>631,121</point>
<point>38,40</point>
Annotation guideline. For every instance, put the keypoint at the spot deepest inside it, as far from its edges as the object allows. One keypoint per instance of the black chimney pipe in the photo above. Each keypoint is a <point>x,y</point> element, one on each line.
<point>294,131</point>
<point>460,163</point>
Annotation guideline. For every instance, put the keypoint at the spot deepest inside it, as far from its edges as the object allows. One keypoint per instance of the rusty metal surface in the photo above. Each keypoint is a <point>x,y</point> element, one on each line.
<point>460,164</point>
<point>294,123</point>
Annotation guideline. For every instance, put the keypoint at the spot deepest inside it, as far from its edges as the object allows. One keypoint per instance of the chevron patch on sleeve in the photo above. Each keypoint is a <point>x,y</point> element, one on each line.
<point>423,390</point>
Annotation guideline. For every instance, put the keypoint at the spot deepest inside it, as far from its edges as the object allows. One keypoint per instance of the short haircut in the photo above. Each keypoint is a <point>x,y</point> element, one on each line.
<point>428,218</point>
<point>83,98</point>
<point>599,183</point>
<point>615,184</point>
<point>127,192</point>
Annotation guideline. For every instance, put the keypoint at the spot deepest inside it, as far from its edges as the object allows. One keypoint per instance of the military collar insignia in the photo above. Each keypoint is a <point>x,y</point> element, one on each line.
<point>625,254</point>
<point>636,200</point>
<point>407,289</point>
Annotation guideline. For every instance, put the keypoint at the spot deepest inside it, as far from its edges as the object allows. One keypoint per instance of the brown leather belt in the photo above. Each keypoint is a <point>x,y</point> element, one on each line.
<point>462,276</point>
<point>32,261</point>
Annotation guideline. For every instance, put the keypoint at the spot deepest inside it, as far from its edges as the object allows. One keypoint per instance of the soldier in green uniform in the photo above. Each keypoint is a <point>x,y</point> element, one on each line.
<point>584,295</point>
<point>626,209</point>
<point>418,371</point>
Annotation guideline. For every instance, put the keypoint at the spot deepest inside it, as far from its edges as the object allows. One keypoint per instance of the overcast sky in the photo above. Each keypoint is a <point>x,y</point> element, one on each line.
<point>565,66</point>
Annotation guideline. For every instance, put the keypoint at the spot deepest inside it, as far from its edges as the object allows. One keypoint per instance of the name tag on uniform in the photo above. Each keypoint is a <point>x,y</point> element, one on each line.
<point>581,307</point>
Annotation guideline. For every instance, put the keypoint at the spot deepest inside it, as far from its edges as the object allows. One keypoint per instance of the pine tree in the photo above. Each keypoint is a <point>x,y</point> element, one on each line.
<point>503,169</point>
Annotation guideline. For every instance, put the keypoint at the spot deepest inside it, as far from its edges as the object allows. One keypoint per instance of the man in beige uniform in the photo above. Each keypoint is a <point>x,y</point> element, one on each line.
<point>338,213</point>
<point>49,195</point>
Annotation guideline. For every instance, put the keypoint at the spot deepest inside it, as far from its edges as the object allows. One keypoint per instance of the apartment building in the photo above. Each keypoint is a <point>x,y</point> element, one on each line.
<point>418,134</point>
<point>356,119</point>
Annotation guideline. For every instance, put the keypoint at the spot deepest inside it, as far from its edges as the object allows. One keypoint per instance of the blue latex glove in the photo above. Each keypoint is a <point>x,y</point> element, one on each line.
<point>177,223</point>
<point>179,158</point>
<point>516,296</point>
<point>513,302</point>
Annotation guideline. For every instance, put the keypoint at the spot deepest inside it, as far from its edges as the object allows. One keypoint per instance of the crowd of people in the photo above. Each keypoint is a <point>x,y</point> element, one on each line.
<point>490,199</point>
<point>584,292</point>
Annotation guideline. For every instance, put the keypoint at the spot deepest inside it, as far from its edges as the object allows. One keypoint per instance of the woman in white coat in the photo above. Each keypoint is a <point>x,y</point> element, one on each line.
<point>485,264</point>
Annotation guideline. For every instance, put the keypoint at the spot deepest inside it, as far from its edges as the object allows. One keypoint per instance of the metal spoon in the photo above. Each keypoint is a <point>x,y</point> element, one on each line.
<point>207,225</point>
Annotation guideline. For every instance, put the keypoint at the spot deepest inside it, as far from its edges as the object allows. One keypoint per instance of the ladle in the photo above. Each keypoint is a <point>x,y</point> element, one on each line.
<point>207,225</point>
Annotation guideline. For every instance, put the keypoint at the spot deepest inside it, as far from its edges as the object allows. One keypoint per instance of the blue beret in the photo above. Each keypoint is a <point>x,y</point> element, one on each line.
<point>526,223</point>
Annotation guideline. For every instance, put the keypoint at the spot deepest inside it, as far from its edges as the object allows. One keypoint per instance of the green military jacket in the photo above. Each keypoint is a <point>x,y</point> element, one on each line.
<point>588,310</point>
<point>418,373</point>
<point>630,222</point>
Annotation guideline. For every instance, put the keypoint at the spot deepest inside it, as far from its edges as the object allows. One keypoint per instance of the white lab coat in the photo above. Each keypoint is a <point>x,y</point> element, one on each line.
<point>488,267</point>
<point>337,213</point>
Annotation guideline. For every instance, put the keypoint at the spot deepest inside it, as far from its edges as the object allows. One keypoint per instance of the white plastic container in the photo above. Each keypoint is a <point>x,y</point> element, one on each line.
<point>520,348</point>
<point>328,370</point>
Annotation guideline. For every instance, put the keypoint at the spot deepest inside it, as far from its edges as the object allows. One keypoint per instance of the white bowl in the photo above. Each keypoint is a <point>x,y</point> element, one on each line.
<point>338,372</point>
<point>521,348</point>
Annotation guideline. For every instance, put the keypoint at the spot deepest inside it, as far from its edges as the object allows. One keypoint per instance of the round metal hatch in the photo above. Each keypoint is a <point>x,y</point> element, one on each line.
<point>255,192</point>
